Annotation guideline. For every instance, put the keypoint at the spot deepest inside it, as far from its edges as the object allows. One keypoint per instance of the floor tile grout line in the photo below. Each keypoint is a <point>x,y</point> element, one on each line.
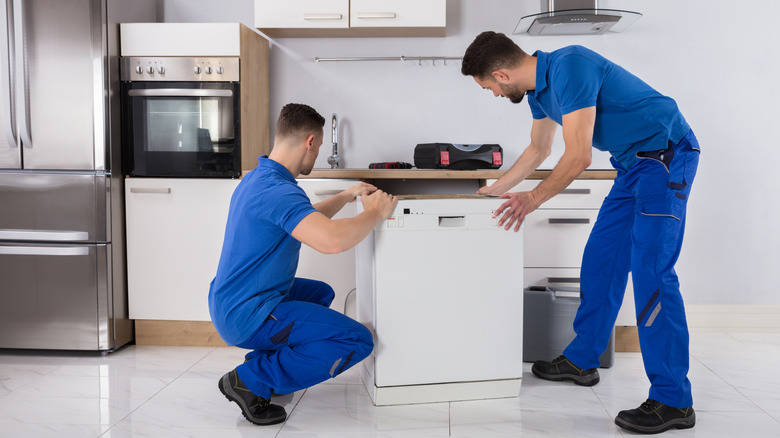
<point>149,398</point>
<point>291,411</point>
<point>727,383</point>
<point>449,418</point>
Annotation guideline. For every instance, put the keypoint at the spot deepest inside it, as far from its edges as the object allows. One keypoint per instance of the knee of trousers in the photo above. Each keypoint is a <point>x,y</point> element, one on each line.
<point>324,293</point>
<point>328,294</point>
<point>364,341</point>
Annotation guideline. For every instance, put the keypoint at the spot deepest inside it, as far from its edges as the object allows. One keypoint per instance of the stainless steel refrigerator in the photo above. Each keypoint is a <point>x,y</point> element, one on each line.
<point>62,263</point>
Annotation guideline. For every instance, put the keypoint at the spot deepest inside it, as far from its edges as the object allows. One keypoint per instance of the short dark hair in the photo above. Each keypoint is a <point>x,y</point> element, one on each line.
<point>490,51</point>
<point>298,120</point>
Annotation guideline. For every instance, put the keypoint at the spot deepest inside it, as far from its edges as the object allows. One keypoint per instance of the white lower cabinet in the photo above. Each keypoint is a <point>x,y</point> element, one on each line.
<point>556,234</point>
<point>175,229</point>
<point>338,270</point>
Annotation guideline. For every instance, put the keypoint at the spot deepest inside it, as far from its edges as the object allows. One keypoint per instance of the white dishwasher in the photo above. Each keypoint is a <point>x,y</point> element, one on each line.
<point>440,285</point>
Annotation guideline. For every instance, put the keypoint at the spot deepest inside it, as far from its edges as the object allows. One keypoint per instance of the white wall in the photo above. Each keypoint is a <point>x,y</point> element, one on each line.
<point>717,59</point>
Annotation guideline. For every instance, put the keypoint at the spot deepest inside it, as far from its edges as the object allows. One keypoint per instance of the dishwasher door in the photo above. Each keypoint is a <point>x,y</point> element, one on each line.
<point>446,303</point>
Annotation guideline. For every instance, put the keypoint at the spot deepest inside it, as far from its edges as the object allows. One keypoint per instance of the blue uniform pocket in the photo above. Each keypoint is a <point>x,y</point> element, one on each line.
<point>673,208</point>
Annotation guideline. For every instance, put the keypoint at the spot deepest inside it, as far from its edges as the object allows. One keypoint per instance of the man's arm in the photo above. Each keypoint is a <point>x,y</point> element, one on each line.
<point>578,137</point>
<point>542,133</point>
<point>335,203</point>
<point>334,236</point>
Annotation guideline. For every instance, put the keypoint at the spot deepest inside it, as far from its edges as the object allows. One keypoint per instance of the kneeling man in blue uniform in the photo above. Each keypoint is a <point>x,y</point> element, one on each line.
<point>255,300</point>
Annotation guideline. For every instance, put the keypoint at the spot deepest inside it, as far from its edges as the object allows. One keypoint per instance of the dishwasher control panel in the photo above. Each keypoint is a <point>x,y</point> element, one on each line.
<point>443,214</point>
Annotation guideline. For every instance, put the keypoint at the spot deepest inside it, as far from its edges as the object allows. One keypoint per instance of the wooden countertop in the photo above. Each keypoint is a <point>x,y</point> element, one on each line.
<point>373,174</point>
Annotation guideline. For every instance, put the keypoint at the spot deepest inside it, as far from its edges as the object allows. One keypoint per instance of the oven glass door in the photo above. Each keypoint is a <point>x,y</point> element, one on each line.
<point>181,129</point>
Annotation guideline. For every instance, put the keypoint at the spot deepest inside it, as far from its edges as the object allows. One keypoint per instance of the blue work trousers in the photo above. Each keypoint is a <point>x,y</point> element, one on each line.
<point>302,343</point>
<point>640,229</point>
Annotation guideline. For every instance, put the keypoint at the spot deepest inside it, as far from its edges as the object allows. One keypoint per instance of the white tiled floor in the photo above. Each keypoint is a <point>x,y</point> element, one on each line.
<point>172,392</point>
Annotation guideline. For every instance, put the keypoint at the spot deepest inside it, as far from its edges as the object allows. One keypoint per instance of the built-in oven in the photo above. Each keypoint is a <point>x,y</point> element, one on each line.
<point>181,117</point>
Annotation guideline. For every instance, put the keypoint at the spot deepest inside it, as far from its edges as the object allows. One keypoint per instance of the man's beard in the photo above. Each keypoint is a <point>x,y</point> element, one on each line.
<point>306,170</point>
<point>513,93</point>
<point>516,99</point>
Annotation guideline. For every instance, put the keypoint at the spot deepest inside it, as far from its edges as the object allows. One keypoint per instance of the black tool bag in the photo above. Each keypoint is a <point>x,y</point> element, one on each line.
<point>458,156</point>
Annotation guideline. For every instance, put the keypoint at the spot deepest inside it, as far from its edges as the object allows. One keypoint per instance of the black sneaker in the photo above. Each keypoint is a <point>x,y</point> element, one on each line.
<point>655,417</point>
<point>562,369</point>
<point>256,409</point>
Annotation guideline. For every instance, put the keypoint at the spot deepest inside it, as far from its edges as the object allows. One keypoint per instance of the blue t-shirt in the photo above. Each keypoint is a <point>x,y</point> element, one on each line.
<point>259,255</point>
<point>630,115</point>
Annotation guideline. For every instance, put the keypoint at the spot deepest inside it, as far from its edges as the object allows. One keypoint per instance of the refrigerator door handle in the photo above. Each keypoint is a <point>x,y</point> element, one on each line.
<point>22,89</point>
<point>45,250</point>
<point>7,55</point>
<point>44,235</point>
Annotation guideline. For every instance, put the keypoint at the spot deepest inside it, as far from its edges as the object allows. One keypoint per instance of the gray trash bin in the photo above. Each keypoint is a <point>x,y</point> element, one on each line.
<point>548,318</point>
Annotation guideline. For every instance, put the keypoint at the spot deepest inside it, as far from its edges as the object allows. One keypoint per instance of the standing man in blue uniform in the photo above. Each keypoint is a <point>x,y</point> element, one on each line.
<point>255,300</point>
<point>640,225</point>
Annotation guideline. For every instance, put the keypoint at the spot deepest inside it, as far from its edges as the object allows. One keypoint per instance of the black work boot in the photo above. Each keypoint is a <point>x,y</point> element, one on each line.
<point>562,369</point>
<point>256,409</point>
<point>655,417</point>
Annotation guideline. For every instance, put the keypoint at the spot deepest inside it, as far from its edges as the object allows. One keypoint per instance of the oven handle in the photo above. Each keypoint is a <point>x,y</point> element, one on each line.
<point>179,92</point>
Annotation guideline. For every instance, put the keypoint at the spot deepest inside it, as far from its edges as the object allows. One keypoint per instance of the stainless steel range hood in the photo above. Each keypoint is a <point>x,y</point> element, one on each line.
<point>575,17</point>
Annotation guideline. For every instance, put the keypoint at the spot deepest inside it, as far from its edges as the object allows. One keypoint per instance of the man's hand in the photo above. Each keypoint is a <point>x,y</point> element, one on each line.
<point>490,190</point>
<point>380,202</point>
<point>515,209</point>
<point>361,189</point>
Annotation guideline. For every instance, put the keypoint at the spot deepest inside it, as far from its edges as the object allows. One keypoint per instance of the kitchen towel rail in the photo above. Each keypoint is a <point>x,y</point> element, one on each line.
<point>419,59</point>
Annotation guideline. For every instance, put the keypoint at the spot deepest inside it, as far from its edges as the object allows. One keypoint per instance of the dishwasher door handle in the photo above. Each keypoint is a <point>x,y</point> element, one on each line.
<point>452,221</point>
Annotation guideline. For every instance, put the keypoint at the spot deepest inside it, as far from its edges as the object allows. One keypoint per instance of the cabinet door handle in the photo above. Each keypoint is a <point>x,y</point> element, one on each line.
<point>328,193</point>
<point>322,17</point>
<point>563,280</point>
<point>569,220</point>
<point>375,15</point>
<point>151,190</point>
<point>575,192</point>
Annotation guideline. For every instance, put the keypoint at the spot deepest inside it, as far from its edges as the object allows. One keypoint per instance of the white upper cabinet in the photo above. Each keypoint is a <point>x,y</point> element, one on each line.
<point>351,18</point>
<point>398,13</point>
<point>303,14</point>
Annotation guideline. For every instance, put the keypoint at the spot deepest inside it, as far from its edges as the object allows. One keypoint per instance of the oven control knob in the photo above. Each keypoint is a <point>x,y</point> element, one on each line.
<point>150,70</point>
<point>161,70</point>
<point>209,70</point>
<point>196,70</point>
<point>139,70</point>
<point>220,70</point>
